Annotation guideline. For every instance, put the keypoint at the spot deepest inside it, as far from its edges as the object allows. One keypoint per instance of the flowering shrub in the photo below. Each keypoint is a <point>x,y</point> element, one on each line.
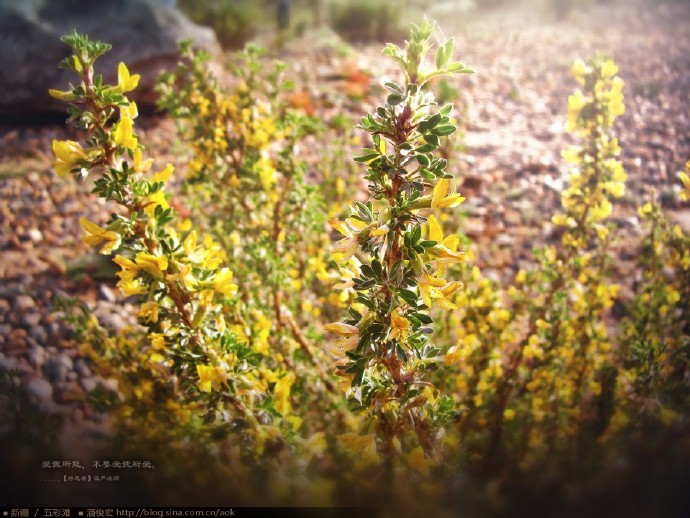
<point>199,357</point>
<point>535,366</point>
<point>245,181</point>
<point>248,189</point>
<point>655,332</point>
<point>383,350</point>
<point>227,362</point>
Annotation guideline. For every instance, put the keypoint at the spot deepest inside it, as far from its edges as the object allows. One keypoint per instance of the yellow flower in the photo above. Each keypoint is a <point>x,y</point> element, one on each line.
<point>609,69</point>
<point>601,210</point>
<point>129,267</point>
<point>157,340</point>
<point>97,235</point>
<point>130,287</point>
<point>210,378</point>
<point>149,311</point>
<point>576,102</point>
<point>399,326</point>
<point>363,446</point>
<point>262,331</point>
<point>154,200</point>
<point>129,111</point>
<point>445,249</point>
<point>380,231</point>
<point>347,246</point>
<point>349,335</point>
<point>139,165</point>
<point>123,135</point>
<point>222,282</point>
<point>164,175</point>
<point>267,174</point>
<point>417,461</point>
<point>442,197</point>
<point>580,70</point>
<point>685,194</point>
<point>67,153</point>
<point>153,264</point>
<point>435,288</point>
<point>563,220</point>
<point>125,81</point>
<point>281,393</point>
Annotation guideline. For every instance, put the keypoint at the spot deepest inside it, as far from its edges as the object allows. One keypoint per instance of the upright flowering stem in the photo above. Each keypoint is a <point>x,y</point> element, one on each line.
<point>566,332</point>
<point>384,349</point>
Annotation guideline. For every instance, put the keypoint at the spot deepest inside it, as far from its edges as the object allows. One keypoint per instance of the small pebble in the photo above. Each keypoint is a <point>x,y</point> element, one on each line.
<point>24,303</point>
<point>58,367</point>
<point>39,391</point>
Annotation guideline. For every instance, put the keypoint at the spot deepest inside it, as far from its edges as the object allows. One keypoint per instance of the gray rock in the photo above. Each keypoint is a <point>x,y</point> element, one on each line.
<point>91,383</point>
<point>36,356</point>
<point>8,363</point>
<point>57,368</point>
<point>39,334</point>
<point>143,33</point>
<point>39,390</point>
<point>81,367</point>
<point>24,303</point>
<point>31,320</point>
<point>4,306</point>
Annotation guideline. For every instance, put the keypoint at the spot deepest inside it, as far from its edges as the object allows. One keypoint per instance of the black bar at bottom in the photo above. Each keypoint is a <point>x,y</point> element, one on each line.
<point>184,512</point>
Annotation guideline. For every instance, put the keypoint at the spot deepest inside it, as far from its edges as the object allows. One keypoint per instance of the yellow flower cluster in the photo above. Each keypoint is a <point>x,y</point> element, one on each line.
<point>598,176</point>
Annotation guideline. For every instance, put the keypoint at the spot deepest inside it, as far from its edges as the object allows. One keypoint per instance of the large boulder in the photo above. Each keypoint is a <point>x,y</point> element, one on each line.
<point>143,33</point>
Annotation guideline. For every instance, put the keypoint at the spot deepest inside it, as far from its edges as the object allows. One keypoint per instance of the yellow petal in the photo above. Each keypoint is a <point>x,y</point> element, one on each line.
<point>440,191</point>
<point>125,81</point>
<point>435,231</point>
<point>164,175</point>
<point>341,329</point>
<point>155,265</point>
<point>339,226</point>
<point>451,242</point>
<point>123,135</point>
<point>124,263</point>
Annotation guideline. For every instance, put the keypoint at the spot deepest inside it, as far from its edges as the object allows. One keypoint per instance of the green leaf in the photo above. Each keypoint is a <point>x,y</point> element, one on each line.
<point>394,88</point>
<point>366,301</point>
<point>416,234</point>
<point>434,120</point>
<point>427,175</point>
<point>394,99</point>
<point>367,157</point>
<point>432,139</point>
<point>377,268</point>
<point>408,296</point>
<point>444,130</point>
<point>423,318</point>
<point>423,160</point>
<point>367,271</point>
<point>395,269</point>
<point>443,54</point>
<point>459,68</point>
<point>425,148</point>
